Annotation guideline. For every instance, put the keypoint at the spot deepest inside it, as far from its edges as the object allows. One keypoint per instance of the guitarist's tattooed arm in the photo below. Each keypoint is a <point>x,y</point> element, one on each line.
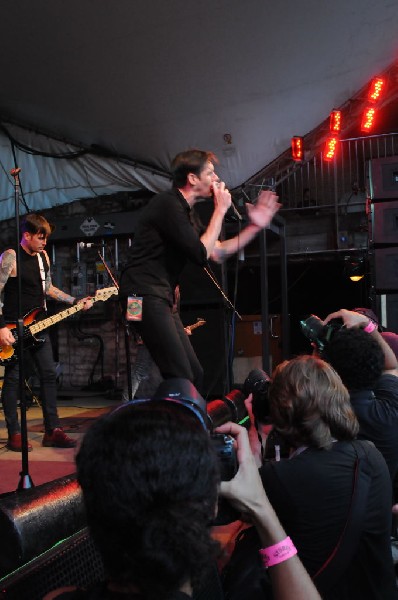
<point>7,269</point>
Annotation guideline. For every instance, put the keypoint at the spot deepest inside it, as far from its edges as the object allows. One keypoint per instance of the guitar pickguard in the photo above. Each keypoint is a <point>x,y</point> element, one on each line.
<point>8,354</point>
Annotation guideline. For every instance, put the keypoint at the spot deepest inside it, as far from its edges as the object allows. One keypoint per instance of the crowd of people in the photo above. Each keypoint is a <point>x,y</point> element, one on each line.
<point>321,517</point>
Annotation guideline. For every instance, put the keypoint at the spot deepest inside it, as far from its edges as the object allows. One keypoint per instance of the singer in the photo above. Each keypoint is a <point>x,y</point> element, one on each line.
<point>168,235</point>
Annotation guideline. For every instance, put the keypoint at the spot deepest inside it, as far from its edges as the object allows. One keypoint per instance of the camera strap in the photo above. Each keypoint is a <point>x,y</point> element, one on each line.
<point>334,567</point>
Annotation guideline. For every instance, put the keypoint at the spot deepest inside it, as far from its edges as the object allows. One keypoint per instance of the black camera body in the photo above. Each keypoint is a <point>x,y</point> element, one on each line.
<point>217,412</point>
<point>318,333</point>
<point>184,393</point>
<point>257,383</point>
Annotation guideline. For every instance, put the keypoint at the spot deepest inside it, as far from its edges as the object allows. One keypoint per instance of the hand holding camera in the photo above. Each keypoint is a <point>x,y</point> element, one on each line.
<point>245,491</point>
<point>350,318</point>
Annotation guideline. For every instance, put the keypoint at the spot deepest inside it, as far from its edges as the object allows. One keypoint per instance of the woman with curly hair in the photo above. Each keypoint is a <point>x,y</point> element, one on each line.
<point>150,480</point>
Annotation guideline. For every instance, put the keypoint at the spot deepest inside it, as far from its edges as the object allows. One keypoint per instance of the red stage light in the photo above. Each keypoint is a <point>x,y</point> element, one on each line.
<point>368,119</point>
<point>376,89</point>
<point>297,148</point>
<point>335,121</point>
<point>330,148</point>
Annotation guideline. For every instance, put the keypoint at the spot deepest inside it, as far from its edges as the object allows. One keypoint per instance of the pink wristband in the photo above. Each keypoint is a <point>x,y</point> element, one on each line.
<point>277,553</point>
<point>371,326</point>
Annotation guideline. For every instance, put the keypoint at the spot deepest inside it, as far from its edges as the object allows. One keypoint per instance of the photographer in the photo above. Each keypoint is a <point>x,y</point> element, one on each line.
<point>149,476</point>
<point>369,369</point>
<point>333,495</point>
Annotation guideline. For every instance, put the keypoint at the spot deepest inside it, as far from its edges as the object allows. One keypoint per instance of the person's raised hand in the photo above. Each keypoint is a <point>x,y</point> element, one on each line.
<point>262,213</point>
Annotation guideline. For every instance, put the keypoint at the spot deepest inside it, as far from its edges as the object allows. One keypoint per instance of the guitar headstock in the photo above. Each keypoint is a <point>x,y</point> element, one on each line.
<point>105,293</point>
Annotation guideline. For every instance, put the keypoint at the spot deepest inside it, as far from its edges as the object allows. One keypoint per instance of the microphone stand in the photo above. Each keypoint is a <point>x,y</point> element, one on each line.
<point>127,334</point>
<point>25,481</point>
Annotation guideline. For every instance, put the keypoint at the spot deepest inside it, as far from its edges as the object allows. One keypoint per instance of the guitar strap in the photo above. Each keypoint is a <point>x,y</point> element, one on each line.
<point>43,279</point>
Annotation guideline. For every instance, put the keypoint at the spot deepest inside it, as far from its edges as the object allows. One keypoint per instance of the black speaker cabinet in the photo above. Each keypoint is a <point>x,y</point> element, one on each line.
<point>383,178</point>
<point>73,561</point>
<point>391,311</point>
<point>76,562</point>
<point>386,269</point>
<point>210,343</point>
<point>385,222</point>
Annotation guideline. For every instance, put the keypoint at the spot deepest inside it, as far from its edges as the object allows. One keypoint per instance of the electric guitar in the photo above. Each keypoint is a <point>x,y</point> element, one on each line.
<point>199,323</point>
<point>8,354</point>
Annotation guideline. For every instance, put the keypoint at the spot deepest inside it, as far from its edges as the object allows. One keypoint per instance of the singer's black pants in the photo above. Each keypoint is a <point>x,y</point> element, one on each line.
<point>163,334</point>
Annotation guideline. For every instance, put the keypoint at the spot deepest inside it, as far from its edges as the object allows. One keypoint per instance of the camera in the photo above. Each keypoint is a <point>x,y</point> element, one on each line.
<point>257,383</point>
<point>211,415</point>
<point>217,412</point>
<point>318,333</point>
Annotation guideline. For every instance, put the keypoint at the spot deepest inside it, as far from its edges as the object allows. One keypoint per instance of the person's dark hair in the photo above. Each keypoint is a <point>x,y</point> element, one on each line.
<point>33,223</point>
<point>309,403</point>
<point>190,161</point>
<point>356,356</point>
<point>149,477</point>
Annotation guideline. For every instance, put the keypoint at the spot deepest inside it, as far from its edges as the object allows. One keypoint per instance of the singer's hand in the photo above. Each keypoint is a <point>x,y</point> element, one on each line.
<point>261,213</point>
<point>222,196</point>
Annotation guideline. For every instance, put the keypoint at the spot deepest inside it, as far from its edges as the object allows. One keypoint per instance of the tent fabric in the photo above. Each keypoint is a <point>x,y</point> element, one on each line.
<point>146,79</point>
<point>46,181</point>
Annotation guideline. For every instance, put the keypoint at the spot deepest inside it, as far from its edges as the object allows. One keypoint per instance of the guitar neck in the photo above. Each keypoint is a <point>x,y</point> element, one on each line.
<point>195,325</point>
<point>68,312</point>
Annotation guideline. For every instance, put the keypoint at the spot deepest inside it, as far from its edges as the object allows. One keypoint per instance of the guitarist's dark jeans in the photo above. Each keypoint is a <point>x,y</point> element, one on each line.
<point>43,358</point>
<point>163,334</point>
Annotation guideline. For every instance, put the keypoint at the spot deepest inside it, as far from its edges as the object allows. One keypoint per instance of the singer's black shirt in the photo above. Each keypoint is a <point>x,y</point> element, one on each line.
<point>168,235</point>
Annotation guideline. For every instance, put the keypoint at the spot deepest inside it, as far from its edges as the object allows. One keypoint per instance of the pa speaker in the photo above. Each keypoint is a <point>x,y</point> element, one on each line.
<point>77,562</point>
<point>386,269</point>
<point>383,178</point>
<point>385,222</point>
<point>74,561</point>
<point>33,520</point>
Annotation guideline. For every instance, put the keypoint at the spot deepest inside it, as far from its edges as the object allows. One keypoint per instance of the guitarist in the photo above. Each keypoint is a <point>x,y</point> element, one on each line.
<point>36,284</point>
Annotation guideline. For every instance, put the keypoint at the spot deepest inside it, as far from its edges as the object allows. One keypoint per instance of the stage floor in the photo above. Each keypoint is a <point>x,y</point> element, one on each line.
<point>77,410</point>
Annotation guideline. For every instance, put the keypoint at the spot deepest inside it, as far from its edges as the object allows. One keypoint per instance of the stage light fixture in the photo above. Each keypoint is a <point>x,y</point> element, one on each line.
<point>376,90</point>
<point>329,151</point>
<point>297,148</point>
<point>368,119</point>
<point>335,121</point>
<point>354,268</point>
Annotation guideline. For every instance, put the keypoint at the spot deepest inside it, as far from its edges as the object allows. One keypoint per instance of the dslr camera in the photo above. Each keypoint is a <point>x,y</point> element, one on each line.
<point>318,333</point>
<point>217,412</point>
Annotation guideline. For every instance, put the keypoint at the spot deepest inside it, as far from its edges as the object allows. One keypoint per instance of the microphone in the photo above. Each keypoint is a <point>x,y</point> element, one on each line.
<point>235,211</point>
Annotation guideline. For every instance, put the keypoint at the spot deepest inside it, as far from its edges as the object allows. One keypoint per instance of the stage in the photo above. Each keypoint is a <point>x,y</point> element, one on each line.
<point>77,410</point>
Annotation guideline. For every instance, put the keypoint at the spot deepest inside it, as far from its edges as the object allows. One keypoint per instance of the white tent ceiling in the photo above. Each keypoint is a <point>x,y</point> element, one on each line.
<point>144,79</point>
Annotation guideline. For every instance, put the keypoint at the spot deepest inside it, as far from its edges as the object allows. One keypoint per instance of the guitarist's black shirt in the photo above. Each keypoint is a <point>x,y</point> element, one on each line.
<point>31,286</point>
